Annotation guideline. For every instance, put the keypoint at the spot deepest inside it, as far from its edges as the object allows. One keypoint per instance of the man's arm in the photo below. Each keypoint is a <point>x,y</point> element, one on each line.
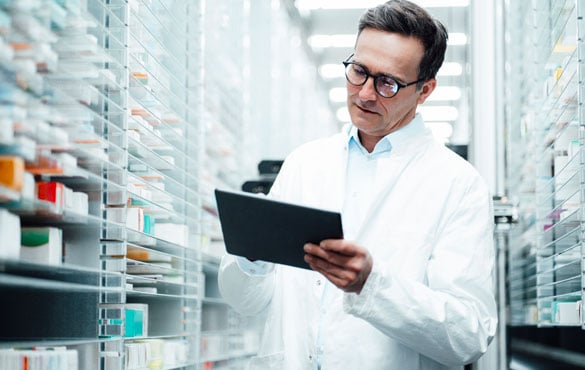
<point>247,292</point>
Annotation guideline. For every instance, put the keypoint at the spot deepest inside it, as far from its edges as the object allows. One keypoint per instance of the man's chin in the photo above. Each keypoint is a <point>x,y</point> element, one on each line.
<point>362,122</point>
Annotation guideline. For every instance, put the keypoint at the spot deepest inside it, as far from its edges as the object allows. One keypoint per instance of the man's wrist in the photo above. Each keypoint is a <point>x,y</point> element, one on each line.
<point>254,267</point>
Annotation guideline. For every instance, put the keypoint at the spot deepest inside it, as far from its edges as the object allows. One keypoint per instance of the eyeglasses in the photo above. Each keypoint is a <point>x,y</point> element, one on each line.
<point>385,86</point>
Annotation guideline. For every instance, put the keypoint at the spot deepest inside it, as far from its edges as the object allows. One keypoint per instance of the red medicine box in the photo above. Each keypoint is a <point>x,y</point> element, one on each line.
<point>53,192</point>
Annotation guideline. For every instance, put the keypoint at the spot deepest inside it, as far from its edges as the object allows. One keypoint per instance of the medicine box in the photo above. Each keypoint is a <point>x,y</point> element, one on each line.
<point>174,233</point>
<point>12,172</point>
<point>9,235</point>
<point>53,192</point>
<point>136,320</point>
<point>42,245</point>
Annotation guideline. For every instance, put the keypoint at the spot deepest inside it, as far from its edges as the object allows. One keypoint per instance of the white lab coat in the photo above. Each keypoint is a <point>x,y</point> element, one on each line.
<point>428,302</point>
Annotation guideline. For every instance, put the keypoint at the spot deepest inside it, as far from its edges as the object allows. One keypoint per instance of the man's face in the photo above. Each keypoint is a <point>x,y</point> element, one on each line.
<point>396,56</point>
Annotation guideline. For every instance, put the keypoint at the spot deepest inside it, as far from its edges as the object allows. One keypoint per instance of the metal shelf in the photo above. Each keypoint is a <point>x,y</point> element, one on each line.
<point>545,265</point>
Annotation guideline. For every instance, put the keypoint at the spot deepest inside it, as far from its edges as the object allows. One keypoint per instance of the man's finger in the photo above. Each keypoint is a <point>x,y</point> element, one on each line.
<point>339,246</point>
<point>330,256</point>
<point>345,284</point>
<point>327,268</point>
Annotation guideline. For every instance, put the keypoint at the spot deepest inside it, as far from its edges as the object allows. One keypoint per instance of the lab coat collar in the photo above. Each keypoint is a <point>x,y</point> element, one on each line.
<point>405,134</point>
<point>399,138</point>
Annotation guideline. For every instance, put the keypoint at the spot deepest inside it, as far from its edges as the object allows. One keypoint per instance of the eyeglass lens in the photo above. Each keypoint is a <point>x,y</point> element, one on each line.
<point>357,75</point>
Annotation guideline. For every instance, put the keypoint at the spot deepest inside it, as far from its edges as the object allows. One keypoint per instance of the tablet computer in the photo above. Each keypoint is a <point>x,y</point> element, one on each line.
<point>260,228</point>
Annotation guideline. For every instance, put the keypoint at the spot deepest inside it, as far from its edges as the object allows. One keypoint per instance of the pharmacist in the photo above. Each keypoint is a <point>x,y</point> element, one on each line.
<point>410,286</point>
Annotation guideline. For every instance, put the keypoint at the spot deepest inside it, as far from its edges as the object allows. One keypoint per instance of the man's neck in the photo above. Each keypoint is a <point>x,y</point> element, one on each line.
<point>369,142</point>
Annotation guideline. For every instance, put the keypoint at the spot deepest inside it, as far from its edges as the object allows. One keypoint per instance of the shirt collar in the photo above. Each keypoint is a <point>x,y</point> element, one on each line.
<point>394,139</point>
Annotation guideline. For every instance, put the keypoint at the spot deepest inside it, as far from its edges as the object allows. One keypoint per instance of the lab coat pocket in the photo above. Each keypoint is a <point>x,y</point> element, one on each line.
<point>267,362</point>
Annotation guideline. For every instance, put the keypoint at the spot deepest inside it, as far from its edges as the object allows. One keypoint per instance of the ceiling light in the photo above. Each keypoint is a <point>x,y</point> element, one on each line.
<point>348,40</point>
<point>342,114</point>
<point>457,38</point>
<point>332,41</point>
<point>442,3</point>
<point>335,4</point>
<point>338,94</point>
<point>450,69</point>
<point>364,4</point>
<point>438,113</point>
<point>445,93</point>
<point>335,70</point>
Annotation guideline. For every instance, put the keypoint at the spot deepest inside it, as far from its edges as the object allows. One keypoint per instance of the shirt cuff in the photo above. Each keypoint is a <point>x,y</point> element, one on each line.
<point>256,268</point>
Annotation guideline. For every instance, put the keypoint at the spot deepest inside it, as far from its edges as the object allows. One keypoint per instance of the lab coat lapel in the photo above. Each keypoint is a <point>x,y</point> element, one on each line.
<point>324,186</point>
<point>339,175</point>
<point>388,172</point>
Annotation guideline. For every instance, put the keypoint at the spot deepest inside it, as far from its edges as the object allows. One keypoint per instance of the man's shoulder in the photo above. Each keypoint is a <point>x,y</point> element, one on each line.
<point>450,166</point>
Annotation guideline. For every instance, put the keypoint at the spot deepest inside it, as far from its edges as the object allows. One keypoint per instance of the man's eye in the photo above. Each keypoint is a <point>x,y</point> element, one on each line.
<point>387,81</point>
<point>359,70</point>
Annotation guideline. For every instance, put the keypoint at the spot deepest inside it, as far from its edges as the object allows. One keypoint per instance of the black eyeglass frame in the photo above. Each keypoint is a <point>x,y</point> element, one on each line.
<point>376,77</point>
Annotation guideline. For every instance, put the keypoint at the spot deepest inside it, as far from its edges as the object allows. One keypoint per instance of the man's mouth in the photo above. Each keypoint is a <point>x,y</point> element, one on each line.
<point>365,109</point>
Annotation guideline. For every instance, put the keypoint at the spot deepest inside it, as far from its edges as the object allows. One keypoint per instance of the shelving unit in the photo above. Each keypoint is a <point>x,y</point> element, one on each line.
<point>261,100</point>
<point>542,51</point>
<point>139,109</point>
<point>49,119</point>
<point>545,161</point>
<point>225,163</point>
<point>96,96</point>
<point>521,163</point>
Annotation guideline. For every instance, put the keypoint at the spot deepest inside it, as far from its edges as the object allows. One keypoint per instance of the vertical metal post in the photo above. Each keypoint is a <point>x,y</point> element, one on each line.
<point>484,117</point>
<point>497,357</point>
<point>501,242</point>
<point>580,5</point>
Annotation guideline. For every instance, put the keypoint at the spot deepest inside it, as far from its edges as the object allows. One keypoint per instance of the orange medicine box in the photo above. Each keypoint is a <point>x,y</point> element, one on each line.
<point>12,172</point>
<point>53,192</point>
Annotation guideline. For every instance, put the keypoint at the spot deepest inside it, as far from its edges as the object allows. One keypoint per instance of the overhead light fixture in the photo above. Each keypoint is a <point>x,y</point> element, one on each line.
<point>334,70</point>
<point>364,4</point>
<point>338,94</point>
<point>438,113</point>
<point>450,69</point>
<point>442,3</point>
<point>348,40</point>
<point>335,4</point>
<point>445,93</point>
<point>332,41</point>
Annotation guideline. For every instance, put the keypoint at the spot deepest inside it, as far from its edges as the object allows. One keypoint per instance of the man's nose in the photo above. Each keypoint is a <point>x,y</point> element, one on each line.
<point>368,91</point>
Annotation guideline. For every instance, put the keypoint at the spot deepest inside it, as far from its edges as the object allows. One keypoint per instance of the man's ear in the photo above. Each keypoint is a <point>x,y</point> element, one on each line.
<point>427,88</point>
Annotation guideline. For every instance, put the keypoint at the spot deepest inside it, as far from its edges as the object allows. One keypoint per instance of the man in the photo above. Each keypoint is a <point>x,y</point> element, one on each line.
<point>410,285</point>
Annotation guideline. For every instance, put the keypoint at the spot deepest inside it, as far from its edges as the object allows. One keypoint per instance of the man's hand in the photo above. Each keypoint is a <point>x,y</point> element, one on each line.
<point>342,262</point>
